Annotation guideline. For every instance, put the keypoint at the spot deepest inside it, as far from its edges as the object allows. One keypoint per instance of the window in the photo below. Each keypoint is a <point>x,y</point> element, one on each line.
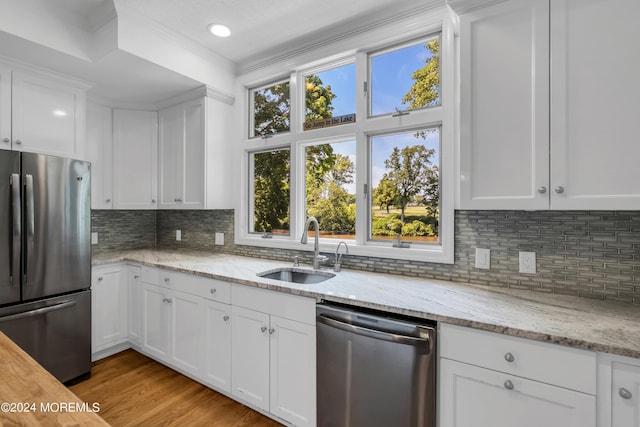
<point>405,78</point>
<point>271,110</point>
<point>383,179</point>
<point>330,188</point>
<point>271,191</point>
<point>405,186</point>
<point>330,97</point>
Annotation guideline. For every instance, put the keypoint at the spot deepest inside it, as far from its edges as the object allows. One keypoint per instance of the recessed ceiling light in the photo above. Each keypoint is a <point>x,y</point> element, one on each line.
<point>219,30</point>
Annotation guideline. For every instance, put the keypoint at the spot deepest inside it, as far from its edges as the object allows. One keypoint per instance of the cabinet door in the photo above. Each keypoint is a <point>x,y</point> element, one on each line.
<point>186,332</point>
<point>504,134</point>
<point>474,396</point>
<point>250,355</point>
<point>133,283</point>
<point>217,339</point>
<point>194,155</point>
<point>171,157</point>
<point>135,159</point>
<point>293,371</point>
<point>595,104</point>
<point>99,146</point>
<point>156,324</point>
<point>109,307</point>
<point>625,395</point>
<point>47,117</point>
<point>5,108</point>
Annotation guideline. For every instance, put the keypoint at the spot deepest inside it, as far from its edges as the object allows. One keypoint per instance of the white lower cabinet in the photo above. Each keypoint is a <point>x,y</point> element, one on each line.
<point>618,391</point>
<point>273,342</point>
<point>186,331</point>
<point>217,341</point>
<point>155,321</point>
<point>492,380</point>
<point>134,319</point>
<point>109,307</point>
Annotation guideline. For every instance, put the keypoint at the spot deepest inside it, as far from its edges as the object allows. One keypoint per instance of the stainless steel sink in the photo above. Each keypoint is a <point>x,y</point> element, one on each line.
<point>296,275</point>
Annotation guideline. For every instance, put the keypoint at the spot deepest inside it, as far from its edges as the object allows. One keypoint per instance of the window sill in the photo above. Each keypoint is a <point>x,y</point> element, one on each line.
<point>442,254</point>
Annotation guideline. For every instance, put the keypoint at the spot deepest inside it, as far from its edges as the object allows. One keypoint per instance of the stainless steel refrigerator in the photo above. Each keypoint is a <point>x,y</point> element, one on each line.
<point>45,260</point>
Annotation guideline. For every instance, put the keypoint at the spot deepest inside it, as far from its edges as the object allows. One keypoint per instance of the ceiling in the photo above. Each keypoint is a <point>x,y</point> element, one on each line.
<point>263,28</point>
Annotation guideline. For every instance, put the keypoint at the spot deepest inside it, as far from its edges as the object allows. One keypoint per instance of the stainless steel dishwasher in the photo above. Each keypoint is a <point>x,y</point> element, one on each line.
<point>374,370</point>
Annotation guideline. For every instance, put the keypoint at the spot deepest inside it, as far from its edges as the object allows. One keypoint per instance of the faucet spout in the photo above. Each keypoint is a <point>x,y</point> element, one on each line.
<point>317,258</point>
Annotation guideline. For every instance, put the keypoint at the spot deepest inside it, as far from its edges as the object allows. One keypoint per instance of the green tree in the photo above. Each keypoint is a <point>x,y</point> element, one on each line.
<point>409,171</point>
<point>385,194</point>
<point>318,99</point>
<point>271,182</point>
<point>271,109</point>
<point>425,90</point>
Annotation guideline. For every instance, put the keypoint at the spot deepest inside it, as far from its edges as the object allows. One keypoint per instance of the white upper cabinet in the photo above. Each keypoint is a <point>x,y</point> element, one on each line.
<point>595,104</point>
<point>41,114</point>
<point>99,146</point>
<point>504,150</point>
<point>521,148</point>
<point>5,108</point>
<point>135,159</point>
<point>181,152</point>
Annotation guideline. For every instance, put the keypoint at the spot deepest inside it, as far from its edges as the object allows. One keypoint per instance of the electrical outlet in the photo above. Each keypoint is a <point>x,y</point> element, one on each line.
<point>178,235</point>
<point>483,258</point>
<point>94,238</point>
<point>527,262</point>
<point>219,239</point>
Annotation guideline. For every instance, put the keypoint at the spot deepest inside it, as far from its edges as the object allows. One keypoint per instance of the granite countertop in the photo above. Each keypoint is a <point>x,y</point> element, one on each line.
<point>595,325</point>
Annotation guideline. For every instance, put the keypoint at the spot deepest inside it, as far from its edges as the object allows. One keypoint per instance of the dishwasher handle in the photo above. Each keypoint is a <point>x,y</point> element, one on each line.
<point>372,333</point>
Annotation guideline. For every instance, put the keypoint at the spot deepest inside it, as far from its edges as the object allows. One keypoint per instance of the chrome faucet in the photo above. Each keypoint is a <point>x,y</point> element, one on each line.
<point>317,258</point>
<point>336,266</point>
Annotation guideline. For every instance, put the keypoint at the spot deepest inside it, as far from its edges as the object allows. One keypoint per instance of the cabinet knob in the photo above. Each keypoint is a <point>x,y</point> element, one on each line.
<point>624,393</point>
<point>7,140</point>
<point>509,357</point>
<point>559,189</point>
<point>166,280</point>
<point>153,200</point>
<point>100,279</point>
<point>225,318</point>
<point>177,200</point>
<point>542,190</point>
<point>271,331</point>
<point>263,329</point>
<point>108,200</point>
<point>508,385</point>
<point>136,277</point>
<point>212,290</point>
<point>18,142</point>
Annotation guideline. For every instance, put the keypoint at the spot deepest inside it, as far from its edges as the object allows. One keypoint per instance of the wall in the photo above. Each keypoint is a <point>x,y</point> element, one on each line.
<point>583,253</point>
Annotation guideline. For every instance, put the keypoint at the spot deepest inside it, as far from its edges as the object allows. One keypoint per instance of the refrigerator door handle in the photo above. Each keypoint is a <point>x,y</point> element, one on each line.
<point>30,220</point>
<point>17,229</point>
<point>38,311</point>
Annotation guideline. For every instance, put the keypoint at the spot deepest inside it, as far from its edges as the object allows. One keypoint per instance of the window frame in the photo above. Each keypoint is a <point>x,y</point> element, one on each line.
<point>441,22</point>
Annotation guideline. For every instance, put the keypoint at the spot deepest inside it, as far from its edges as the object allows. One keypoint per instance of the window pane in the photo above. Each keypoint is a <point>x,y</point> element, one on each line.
<point>331,95</point>
<point>271,181</point>
<point>406,79</point>
<point>330,188</point>
<point>405,187</point>
<point>271,109</point>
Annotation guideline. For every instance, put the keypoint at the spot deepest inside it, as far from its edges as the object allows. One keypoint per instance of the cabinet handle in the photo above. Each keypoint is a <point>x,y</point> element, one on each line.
<point>624,393</point>
<point>136,277</point>
<point>7,140</point>
<point>508,385</point>
<point>559,189</point>
<point>18,142</point>
<point>271,331</point>
<point>263,329</point>
<point>212,290</point>
<point>100,279</point>
<point>509,357</point>
<point>167,300</point>
<point>225,318</point>
<point>542,190</point>
<point>177,200</point>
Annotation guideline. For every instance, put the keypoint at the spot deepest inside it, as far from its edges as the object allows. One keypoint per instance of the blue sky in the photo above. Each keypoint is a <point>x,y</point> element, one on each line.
<point>390,80</point>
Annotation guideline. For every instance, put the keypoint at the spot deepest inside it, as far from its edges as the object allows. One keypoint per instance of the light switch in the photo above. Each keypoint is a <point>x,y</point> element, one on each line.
<point>483,258</point>
<point>94,238</point>
<point>178,235</point>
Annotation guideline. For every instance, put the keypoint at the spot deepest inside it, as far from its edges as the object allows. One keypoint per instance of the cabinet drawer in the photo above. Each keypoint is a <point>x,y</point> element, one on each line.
<point>152,275</point>
<point>212,289</point>
<point>291,307</point>
<point>549,363</point>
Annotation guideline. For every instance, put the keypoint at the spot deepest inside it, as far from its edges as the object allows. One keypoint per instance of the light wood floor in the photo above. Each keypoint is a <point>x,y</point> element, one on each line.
<point>133,390</point>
